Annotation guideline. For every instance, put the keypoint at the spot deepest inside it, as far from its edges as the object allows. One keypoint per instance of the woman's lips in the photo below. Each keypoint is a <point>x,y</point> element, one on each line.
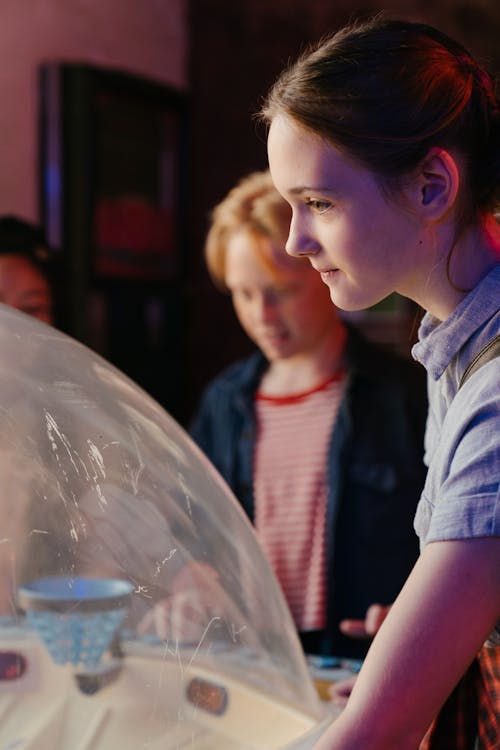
<point>327,276</point>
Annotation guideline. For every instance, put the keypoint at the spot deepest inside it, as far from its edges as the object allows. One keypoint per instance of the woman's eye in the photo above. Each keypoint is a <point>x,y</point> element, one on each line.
<point>318,206</point>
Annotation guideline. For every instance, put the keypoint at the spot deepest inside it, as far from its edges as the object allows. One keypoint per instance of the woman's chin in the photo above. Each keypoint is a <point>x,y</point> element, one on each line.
<point>351,302</point>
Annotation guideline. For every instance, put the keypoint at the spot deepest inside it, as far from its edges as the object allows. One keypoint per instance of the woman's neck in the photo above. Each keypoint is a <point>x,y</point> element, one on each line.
<point>460,268</point>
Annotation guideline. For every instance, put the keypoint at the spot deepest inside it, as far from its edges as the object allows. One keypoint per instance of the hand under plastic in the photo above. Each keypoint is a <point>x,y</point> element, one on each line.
<point>375,616</point>
<point>197,601</point>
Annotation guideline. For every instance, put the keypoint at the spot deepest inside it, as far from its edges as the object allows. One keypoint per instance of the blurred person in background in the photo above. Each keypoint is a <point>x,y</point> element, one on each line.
<point>26,269</point>
<point>319,433</point>
<point>384,138</point>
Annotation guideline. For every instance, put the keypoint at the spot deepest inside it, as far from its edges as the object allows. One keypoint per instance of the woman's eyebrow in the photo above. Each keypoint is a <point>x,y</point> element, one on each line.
<point>300,189</point>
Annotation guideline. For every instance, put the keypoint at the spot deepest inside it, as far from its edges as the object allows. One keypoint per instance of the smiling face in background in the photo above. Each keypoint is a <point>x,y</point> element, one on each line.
<point>364,245</point>
<point>281,302</point>
<point>23,287</point>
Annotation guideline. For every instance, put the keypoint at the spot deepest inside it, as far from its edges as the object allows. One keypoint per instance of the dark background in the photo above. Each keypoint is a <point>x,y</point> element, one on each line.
<point>237,49</point>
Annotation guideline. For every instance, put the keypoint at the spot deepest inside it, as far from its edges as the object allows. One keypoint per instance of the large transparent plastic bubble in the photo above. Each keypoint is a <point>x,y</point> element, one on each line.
<point>136,607</point>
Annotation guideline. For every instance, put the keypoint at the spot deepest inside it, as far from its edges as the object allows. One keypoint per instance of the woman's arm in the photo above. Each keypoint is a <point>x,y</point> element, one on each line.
<point>445,611</point>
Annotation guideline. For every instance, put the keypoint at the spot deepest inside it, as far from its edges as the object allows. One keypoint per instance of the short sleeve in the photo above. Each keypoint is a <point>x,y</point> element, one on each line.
<point>461,497</point>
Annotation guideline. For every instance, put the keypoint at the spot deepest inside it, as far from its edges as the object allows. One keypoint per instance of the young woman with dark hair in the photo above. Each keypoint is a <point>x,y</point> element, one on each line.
<point>385,140</point>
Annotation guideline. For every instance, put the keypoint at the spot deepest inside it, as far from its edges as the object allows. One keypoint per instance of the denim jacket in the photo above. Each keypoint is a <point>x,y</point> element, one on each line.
<point>375,473</point>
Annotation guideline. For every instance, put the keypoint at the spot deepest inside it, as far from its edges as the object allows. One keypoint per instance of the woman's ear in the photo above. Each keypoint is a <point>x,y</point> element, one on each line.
<point>438,183</point>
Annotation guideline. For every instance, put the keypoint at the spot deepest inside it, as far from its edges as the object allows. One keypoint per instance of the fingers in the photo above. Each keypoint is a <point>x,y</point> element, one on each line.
<point>189,616</point>
<point>185,616</point>
<point>196,602</point>
<point>156,620</point>
<point>145,623</point>
<point>354,628</point>
<point>375,616</point>
<point>339,692</point>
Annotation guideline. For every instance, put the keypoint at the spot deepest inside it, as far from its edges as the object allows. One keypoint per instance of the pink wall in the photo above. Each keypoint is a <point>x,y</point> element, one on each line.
<point>146,37</point>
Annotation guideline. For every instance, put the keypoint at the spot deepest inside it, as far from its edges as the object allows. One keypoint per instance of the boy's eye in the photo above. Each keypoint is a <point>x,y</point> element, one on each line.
<point>243,294</point>
<point>317,205</point>
<point>282,292</point>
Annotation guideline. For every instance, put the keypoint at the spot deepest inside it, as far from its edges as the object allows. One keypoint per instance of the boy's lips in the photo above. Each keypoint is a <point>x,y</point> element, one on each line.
<point>274,334</point>
<point>274,338</point>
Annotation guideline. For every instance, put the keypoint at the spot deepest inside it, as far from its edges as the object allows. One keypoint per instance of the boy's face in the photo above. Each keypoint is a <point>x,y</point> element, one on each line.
<point>23,287</point>
<point>281,302</point>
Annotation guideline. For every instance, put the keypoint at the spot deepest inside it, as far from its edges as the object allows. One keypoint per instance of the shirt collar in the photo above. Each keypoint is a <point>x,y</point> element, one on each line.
<point>439,342</point>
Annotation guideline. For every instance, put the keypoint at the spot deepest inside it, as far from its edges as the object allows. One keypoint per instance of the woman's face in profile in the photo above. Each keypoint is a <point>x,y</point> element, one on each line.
<point>363,244</point>
<point>23,287</point>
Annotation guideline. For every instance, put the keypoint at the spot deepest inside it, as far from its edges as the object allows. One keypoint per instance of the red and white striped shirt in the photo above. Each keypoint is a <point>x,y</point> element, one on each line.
<point>290,485</point>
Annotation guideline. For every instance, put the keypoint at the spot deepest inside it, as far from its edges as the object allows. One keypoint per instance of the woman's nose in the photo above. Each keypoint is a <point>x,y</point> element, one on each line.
<point>299,242</point>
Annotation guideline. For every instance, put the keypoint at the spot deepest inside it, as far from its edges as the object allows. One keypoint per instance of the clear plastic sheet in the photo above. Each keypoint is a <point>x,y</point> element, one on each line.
<point>136,607</point>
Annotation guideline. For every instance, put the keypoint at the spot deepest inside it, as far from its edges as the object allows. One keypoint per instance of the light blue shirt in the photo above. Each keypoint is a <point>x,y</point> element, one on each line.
<point>461,496</point>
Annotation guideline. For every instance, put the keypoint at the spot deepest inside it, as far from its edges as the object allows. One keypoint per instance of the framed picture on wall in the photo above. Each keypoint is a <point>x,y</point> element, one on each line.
<point>112,180</point>
<point>136,144</point>
<point>114,143</point>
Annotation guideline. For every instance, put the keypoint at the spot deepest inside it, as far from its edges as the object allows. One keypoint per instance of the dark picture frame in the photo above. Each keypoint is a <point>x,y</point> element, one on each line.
<point>113,172</point>
<point>115,141</point>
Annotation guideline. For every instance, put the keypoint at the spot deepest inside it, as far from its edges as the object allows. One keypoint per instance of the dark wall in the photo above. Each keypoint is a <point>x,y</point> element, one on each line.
<point>238,49</point>
<point>236,53</point>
